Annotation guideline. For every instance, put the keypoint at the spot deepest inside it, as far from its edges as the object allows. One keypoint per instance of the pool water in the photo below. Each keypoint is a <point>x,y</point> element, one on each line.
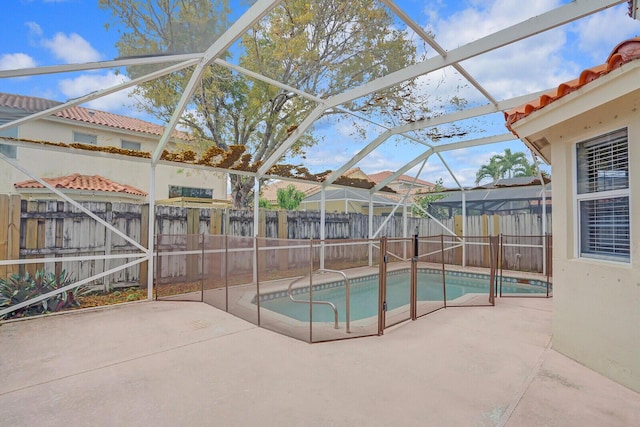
<point>364,294</point>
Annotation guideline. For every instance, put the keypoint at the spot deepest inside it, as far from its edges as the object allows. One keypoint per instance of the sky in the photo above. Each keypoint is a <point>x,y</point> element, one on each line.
<point>53,32</point>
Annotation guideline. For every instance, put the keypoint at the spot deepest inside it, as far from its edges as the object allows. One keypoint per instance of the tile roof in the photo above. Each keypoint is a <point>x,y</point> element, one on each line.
<point>381,176</point>
<point>270,191</point>
<point>30,104</point>
<point>628,50</point>
<point>83,182</point>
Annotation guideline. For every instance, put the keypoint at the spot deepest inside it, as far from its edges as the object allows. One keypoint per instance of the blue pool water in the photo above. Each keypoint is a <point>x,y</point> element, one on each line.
<point>364,294</point>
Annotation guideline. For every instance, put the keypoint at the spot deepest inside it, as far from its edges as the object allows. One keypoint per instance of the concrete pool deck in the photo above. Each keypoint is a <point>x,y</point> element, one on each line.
<point>173,363</point>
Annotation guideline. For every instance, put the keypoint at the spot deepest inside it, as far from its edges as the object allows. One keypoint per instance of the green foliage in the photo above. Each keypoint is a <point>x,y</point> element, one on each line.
<point>264,203</point>
<point>289,198</point>
<point>422,202</point>
<point>322,47</point>
<point>507,165</point>
<point>22,287</point>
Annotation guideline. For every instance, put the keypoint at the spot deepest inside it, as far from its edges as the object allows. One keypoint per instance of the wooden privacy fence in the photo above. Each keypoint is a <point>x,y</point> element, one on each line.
<point>51,229</point>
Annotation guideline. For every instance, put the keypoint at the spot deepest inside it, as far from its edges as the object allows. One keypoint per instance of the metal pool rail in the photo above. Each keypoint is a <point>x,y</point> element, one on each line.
<point>335,310</point>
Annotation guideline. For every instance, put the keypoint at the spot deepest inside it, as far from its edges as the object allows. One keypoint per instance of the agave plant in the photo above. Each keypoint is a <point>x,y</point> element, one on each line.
<point>23,287</point>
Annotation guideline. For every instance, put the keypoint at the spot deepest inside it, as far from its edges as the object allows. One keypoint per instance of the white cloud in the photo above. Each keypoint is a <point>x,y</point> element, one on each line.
<point>377,162</point>
<point>484,18</point>
<point>530,65</point>
<point>34,29</point>
<point>598,34</point>
<point>90,82</point>
<point>71,48</point>
<point>14,61</point>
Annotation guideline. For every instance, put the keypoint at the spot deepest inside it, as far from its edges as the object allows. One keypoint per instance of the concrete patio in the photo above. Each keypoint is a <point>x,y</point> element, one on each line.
<point>182,363</point>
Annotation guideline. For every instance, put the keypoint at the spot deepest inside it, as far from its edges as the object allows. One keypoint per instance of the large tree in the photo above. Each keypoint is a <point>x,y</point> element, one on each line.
<point>322,47</point>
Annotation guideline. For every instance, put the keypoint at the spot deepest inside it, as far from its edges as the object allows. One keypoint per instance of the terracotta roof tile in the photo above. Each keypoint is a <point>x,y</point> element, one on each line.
<point>27,104</point>
<point>30,104</point>
<point>270,191</point>
<point>628,50</point>
<point>83,182</point>
<point>381,176</point>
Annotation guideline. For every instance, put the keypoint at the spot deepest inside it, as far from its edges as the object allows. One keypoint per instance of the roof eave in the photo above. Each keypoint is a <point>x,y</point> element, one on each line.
<point>614,85</point>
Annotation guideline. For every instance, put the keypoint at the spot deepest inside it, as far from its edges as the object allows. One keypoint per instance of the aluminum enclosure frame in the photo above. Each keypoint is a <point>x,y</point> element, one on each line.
<point>552,19</point>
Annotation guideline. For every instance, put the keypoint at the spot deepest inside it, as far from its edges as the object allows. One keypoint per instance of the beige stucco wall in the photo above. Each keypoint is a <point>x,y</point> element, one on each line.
<point>596,314</point>
<point>48,164</point>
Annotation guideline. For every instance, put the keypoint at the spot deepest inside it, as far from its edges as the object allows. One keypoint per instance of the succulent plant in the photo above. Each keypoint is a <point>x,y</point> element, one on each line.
<point>19,288</point>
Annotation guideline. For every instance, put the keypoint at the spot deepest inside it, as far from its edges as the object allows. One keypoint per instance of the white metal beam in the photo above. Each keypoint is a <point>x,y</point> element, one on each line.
<point>68,287</point>
<point>115,63</point>
<point>441,148</point>
<point>544,22</point>
<point>259,9</point>
<point>355,159</point>
<point>401,201</point>
<point>98,94</point>
<point>63,196</point>
<point>262,78</point>
<point>436,46</point>
<point>469,113</point>
<point>297,133</point>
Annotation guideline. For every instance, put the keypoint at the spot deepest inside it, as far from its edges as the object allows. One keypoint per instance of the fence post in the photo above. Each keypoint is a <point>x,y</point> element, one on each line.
<point>382,286</point>
<point>215,222</point>
<point>4,233</point>
<point>10,207</point>
<point>193,238</point>
<point>144,241</point>
<point>486,250</point>
<point>283,233</point>
<point>458,252</point>
<point>107,245</point>
<point>31,237</point>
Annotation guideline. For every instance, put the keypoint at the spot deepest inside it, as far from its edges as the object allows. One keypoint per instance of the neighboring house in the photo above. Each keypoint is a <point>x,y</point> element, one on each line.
<point>270,191</point>
<point>353,199</point>
<point>403,183</point>
<point>502,197</point>
<point>350,200</point>
<point>94,127</point>
<point>80,188</point>
<point>589,130</point>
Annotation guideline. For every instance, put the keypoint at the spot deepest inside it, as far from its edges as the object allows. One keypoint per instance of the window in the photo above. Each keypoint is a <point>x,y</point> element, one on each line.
<point>130,145</point>
<point>603,196</point>
<point>200,193</point>
<point>85,138</point>
<point>11,151</point>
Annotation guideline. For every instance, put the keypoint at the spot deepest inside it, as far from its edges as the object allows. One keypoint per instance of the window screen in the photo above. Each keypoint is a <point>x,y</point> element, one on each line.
<point>603,196</point>
<point>85,138</point>
<point>11,151</point>
<point>130,145</point>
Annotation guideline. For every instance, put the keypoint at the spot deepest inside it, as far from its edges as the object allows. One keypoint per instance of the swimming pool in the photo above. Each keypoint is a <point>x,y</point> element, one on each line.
<point>364,293</point>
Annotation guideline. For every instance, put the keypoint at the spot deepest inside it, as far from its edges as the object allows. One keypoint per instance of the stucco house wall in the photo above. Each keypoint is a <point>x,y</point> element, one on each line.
<point>596,313</point>
<point>49,164</point>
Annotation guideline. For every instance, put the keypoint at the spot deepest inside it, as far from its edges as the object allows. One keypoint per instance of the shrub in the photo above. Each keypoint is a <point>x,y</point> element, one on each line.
<point>23,287</point>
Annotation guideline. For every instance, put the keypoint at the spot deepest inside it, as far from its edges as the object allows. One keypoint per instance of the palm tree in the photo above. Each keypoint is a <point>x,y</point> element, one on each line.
<point>492,170</point>
<point>506,165</point>
<point>511,163</point>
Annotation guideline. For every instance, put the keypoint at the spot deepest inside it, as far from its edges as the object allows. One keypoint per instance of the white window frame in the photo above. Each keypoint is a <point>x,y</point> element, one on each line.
<point>601,195</point>
<point>124,142</point>
<point>11,150</point>
<point>75,133</point>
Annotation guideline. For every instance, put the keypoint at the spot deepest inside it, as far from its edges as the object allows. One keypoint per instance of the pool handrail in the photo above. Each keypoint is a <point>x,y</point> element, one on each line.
<point>335,309</point>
